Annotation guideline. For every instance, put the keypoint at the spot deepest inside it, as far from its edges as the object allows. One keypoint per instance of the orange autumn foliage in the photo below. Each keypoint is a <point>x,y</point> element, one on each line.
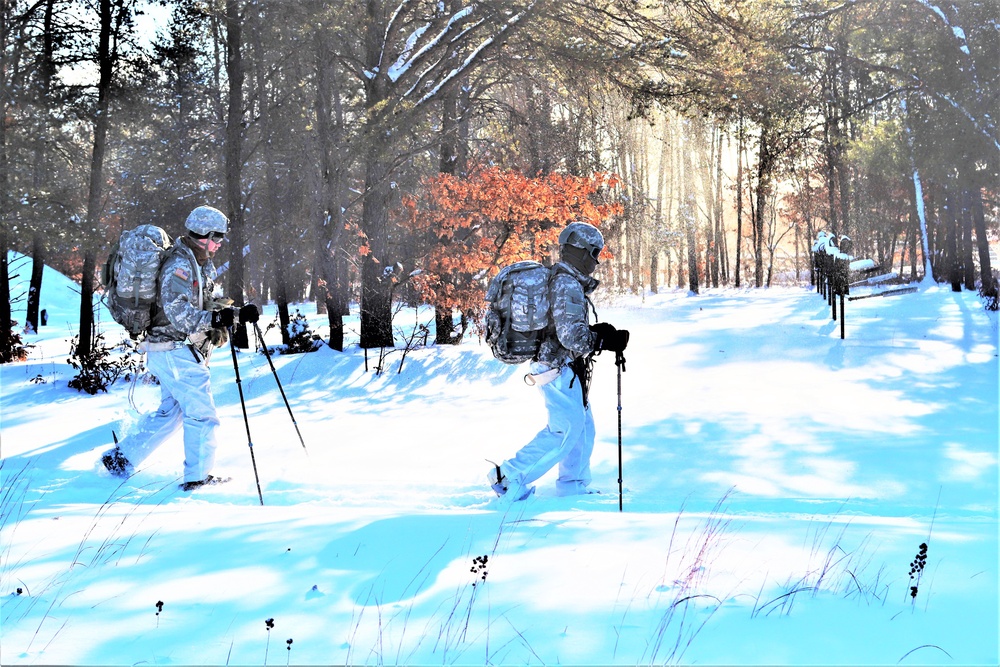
<point>472,227</point>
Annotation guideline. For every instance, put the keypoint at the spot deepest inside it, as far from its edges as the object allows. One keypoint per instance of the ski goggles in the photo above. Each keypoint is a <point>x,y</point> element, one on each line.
<point>218,237</point>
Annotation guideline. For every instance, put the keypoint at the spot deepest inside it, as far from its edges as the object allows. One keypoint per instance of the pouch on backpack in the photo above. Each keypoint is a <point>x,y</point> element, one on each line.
<point>518,313</point>
<point>130,277</point>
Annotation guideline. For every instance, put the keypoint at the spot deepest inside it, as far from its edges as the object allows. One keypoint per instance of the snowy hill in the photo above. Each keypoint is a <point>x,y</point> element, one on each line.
<point>778,484</point>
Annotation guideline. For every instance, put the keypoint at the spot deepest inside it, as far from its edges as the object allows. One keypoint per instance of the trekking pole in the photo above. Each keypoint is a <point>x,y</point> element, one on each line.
<point>239,385</point>
<point>274,372</point>
<point>620,364</point>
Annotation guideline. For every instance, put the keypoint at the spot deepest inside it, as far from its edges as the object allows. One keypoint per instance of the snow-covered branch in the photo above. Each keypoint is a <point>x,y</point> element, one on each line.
<point>827,13</point>
<point>411,55</point>
<point>956,30</point>
<point>389,26</point>
<point>473,57</point>
<point>972,119</point>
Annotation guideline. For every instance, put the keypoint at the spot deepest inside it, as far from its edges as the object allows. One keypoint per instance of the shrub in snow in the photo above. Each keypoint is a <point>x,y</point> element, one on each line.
<point>300,336</point>
<point>12,348</point>
<point>98,370</point>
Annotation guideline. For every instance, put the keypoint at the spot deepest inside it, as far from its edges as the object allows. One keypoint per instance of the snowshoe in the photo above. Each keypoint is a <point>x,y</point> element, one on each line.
<point>116,463</point>
<point>504,489</point>
<point>211,480</point>
<point>497,480</point>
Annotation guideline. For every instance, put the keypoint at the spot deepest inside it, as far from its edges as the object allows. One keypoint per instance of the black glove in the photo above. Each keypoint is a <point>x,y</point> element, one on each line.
<point>602,333</point>
<point>223,319</point>
<point>249,313</point>
<point>609,338</point>
<point>618,342</point>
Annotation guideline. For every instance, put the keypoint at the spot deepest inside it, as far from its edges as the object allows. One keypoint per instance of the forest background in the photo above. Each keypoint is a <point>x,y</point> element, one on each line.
<point>387,152</point>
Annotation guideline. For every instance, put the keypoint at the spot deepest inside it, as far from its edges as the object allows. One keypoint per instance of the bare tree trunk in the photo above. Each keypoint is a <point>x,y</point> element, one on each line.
<point>720,272</point>
<point>830,173</point>
<point>101,123</point>
<point>444,322</point>
<point>842,101</point>
<point>272,203</point>
<point>234,161</point>
<point>6,205</point>
<point>660,227</point>
<point>965,224</point>
<point>35,286</point>
<point>38,254</point>
<point>6,322</point>
<point>705,163</point>
<point>951,242</point>
<point>765,165</point>
<point>904,247</point>
<point>376,265</point>
<point>741,138</point>
<point>634,168</point>
<point>688,211</point>
<point>989,287</point>
<point>677,199</point>
<point>330,260</point>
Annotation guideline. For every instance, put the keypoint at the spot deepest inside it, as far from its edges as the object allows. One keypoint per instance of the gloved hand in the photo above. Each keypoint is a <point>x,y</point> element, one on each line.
<point>609,338</point>
<point>249,313</point>
<point>618,342</point>
<point>223,319</point>
<point>219,337</point>
<point>602,331</point>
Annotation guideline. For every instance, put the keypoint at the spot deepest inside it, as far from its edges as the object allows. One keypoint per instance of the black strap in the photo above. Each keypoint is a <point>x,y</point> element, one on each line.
<point>583,368</point>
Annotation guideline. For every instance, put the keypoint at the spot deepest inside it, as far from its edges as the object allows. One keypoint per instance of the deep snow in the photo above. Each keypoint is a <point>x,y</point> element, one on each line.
<point>779,482</point>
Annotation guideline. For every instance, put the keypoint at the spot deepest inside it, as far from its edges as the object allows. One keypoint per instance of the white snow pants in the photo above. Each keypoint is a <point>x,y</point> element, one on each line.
<point>567,439</point>
<point>186,399</point>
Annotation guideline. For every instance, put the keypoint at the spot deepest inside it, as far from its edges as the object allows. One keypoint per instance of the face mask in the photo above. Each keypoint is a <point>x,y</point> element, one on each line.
<point>580,259</point>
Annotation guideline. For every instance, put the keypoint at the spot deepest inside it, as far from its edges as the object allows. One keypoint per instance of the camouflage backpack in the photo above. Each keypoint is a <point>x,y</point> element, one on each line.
<point>518,312</point>
<point>130,277</point>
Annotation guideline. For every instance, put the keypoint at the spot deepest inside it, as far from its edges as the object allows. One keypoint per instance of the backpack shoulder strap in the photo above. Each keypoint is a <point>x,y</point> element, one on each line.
<point>559,268</point>
<point>178,248</point>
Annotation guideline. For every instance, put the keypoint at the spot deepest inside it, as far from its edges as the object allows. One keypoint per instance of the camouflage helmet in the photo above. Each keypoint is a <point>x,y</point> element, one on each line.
<point>205,220</point>
<point>583,235</point>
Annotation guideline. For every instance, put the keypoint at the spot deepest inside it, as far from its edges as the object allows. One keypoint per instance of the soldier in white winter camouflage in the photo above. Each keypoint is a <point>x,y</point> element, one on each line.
<point>561,371</point>
<point>190,321</point>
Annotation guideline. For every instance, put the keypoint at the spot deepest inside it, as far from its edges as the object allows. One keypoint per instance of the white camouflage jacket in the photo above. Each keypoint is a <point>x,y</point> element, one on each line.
<point>571,337</point>
<point>185,297</point>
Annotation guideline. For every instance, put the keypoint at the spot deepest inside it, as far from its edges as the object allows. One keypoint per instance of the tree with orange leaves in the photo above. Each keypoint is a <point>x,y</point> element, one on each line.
<point>469,228</point>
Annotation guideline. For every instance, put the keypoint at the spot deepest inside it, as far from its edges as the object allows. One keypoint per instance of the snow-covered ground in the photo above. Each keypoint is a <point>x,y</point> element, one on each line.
<point>778,485</point>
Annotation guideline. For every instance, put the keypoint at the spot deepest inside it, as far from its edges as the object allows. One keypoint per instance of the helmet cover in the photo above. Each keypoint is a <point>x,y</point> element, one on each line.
<point>583,235</point>
<point>204,220</point>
